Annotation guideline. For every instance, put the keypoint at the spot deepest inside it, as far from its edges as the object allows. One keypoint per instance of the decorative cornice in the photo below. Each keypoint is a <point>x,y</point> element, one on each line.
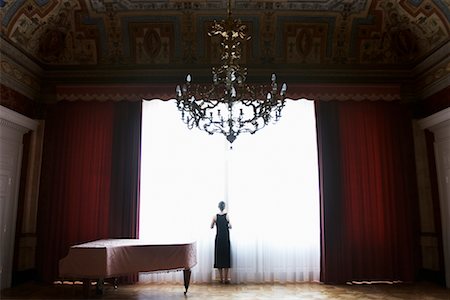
<point>433,74</point>
<point>18,71</point>
<point>8,49</point>
<point>113,92</point>
<point>322,92</point>
<point>345,92</point>
<point>432,60</point>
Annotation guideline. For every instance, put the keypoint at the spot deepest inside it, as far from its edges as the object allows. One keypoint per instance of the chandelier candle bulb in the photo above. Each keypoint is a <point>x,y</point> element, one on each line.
<point>283,89</point>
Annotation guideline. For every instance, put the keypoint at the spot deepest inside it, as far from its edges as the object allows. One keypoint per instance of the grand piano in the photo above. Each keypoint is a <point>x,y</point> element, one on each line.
<point>111,258</point>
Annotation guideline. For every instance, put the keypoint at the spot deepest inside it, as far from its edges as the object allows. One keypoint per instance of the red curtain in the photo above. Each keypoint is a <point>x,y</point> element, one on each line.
<point>76,180</point>
<point>125,175</point>
<point>332,214</point>
<point>368,200</point>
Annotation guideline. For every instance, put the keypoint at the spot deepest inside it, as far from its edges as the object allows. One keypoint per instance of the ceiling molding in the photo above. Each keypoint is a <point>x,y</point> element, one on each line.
<point>18,71</point>
<point>433,74</point>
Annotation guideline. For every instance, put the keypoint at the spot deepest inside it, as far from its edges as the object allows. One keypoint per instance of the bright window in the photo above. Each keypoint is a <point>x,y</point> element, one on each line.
<point>269,181</point>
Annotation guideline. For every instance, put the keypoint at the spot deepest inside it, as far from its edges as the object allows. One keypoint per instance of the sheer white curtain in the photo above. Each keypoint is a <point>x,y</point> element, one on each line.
<point>269,181</point>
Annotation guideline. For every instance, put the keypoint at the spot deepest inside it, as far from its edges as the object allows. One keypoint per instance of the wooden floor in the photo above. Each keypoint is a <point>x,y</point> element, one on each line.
<point>313,291</point>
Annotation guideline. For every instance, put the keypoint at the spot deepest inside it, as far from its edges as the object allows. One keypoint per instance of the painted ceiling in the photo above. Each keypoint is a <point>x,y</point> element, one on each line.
<point>141,41</point>
<point>145,32</point>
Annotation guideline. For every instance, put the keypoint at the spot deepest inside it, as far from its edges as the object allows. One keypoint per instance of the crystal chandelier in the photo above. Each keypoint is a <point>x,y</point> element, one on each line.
<point>229,105</point>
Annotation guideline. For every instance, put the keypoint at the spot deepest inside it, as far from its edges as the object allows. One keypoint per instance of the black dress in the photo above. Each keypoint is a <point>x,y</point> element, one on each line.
<point>222,246</point>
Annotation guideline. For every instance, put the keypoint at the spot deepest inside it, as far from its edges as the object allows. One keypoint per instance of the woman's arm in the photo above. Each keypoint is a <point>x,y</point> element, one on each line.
<point>229,224</point>
<point>213,222</point>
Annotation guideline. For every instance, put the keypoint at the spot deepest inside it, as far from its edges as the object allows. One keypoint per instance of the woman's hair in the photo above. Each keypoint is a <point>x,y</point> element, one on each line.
<point>221,205</point>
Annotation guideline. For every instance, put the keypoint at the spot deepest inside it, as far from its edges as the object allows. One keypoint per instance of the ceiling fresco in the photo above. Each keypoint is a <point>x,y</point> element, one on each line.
<point>172,33</point>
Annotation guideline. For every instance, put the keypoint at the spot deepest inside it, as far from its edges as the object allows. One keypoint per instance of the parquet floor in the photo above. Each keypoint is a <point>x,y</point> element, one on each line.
<point>312,291</point>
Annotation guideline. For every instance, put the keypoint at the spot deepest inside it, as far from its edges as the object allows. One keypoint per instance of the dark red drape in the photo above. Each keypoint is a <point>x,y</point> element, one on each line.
<point>329,157</point>
<point>368,191</point>
<point>77,201</point>
<point>126,157</point>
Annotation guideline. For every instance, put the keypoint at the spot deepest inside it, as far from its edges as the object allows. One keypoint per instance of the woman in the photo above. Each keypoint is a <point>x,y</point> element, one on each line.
<point>222,256</point>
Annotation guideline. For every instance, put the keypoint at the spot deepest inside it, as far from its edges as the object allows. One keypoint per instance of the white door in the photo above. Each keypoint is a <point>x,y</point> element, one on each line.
<point>9,166</point>
<point>442,149</point>
<point>439,124</point>
<point>12,128</point>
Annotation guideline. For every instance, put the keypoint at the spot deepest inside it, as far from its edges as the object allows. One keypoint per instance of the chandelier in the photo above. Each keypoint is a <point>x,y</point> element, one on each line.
<point>229,105</point>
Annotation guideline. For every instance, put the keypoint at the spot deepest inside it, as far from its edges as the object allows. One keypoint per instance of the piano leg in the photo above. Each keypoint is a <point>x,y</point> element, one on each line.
<point>99,286</point>
<point>187,279</point>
